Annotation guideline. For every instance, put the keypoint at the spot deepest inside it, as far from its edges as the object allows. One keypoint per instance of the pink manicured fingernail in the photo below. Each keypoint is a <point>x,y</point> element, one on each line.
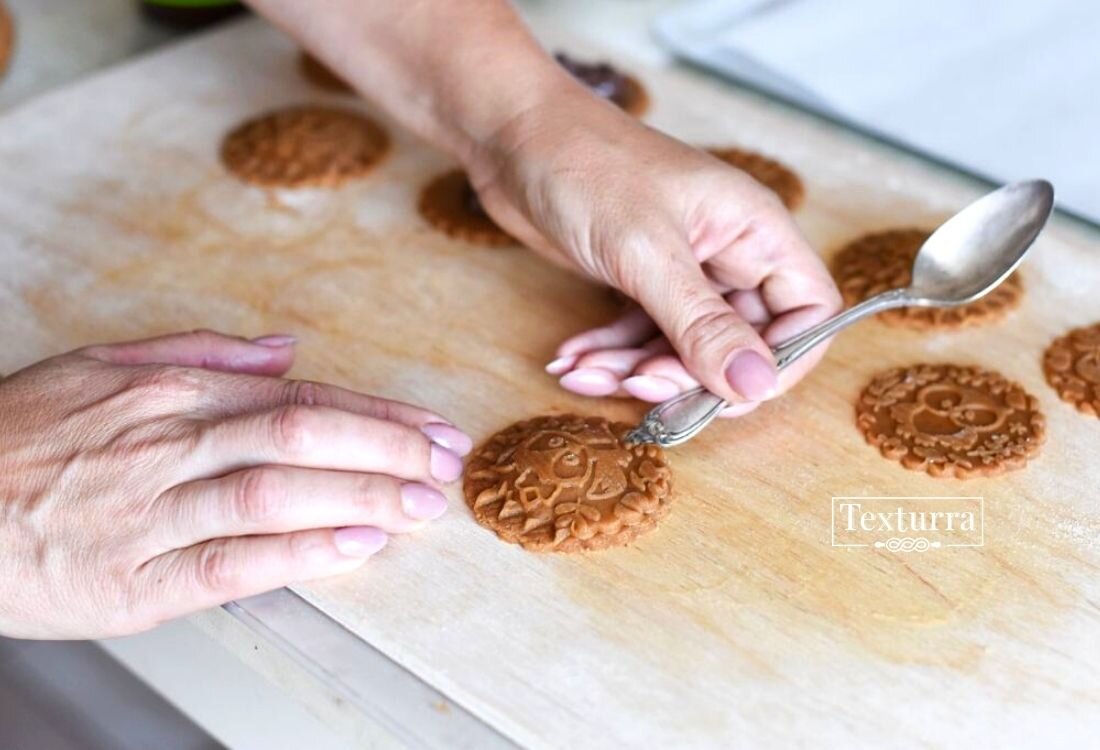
<point>449,436</point>
<point>751,375</point>
<point>445,466</point>
<point>737,410</point>
<point>275,340</point>
<point>359,541</point>
<point>561,365</point>
<point>421,502</point>
<point>650,387</point>
<point>590,381</point>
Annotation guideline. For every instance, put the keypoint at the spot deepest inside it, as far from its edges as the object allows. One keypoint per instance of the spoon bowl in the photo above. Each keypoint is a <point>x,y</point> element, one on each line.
<point>979,247</point>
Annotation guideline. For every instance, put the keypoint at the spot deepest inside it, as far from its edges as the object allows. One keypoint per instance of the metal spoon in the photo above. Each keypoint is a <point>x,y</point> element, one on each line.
<point>966,258</point>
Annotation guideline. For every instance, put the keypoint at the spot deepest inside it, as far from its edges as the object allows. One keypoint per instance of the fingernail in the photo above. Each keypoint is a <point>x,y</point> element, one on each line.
<point>751,375</point>
<point>590,381</point>
<point>359,541</point>
<point>650,387</point>
<point>422,502</point>
<point>276,340</point>
<point>738,410</point>
<point>449,436</point>
<point>445,466</point>
<point>560,365</point>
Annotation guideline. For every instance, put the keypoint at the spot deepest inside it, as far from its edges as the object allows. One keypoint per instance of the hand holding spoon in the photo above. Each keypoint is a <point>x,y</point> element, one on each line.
<point>965,259</point>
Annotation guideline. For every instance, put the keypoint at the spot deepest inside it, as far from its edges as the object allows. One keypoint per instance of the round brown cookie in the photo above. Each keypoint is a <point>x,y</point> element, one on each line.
<point>1072,367</point>
<point>321,75</point>
<point>607,82</point>
<point>633,99</point>
<point>307,146</point>
<point>7,37</point>
<point>567,484</point>
<point>883,260</point>
<point>768,172</point>
<point>951,420</point>
<point>450,204</point>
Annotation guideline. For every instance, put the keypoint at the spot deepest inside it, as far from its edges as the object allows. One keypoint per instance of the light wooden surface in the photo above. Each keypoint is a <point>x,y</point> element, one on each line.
<point>736,621</point>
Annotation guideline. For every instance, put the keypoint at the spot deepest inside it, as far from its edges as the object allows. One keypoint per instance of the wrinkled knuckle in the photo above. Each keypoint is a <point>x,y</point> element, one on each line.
<point>292,429</point>
<point>204,335</point>
<point>371,494</point>
<point>214,570</point>
<point>303,393</point>
<point>164,381</point>
<point>631,260</point>
<point>707,331</point>
<point>123,603</point>
<point>409,449</point>
<point>259,495</point>
<point>302,549</point>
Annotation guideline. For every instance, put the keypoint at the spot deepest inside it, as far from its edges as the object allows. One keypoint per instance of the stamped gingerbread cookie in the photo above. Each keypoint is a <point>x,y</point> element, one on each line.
<point>1072,367</point>
<point>308,146</point>
<point>607,82</point>
<point>7,37</point>
<point>768,172</point>
<point>321,75</point>
<point>881,261</point>
<point>450,204</point>
<point>567,484</point>
<point>951,420</point>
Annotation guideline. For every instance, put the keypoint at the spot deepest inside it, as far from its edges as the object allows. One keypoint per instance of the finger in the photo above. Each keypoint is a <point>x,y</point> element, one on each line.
<point>631,329</point>
<point>669,367</point>
<point>591,381</point>
<point>280,499</point>
<point>793,289</point>
<point>267,355</point>
<point>237,396</point>
<point>320,437</point>
<point>796,294</point>
<point>652,388</point>
<point>771,255</point>
<point>749,304</point>
<point>785,286</point>
<point>717,346</point>
<point>738,410</point>
<point>671,379</point>
<point>619,361</point>
<point>791,324</point>
<point>212,573</point>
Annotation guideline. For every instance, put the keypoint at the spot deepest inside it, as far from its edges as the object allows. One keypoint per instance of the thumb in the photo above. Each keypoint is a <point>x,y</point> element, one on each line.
<point>716,344</point>
<point>267,355</point>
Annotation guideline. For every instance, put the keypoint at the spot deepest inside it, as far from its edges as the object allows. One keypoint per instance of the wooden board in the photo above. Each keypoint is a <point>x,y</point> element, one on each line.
<point>736,621</point>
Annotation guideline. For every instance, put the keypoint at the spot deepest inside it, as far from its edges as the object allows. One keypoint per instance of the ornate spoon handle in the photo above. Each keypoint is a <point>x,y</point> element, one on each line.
<point>681,418</point>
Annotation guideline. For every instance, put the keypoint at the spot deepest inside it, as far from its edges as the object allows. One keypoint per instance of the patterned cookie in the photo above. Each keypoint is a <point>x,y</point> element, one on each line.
<point>1072,367</point>
<point>321,76</point>
<point>951,420</point>
<point>884,260</point>
<point>450,204</point>
<point>768,172</point>
<point>306,146</point>
<point>7,37</point>
<point>567,484</point>
<point>607,82</point>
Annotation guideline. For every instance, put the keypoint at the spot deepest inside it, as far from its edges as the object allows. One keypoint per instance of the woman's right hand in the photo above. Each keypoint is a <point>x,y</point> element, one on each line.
<point>147,480</point>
